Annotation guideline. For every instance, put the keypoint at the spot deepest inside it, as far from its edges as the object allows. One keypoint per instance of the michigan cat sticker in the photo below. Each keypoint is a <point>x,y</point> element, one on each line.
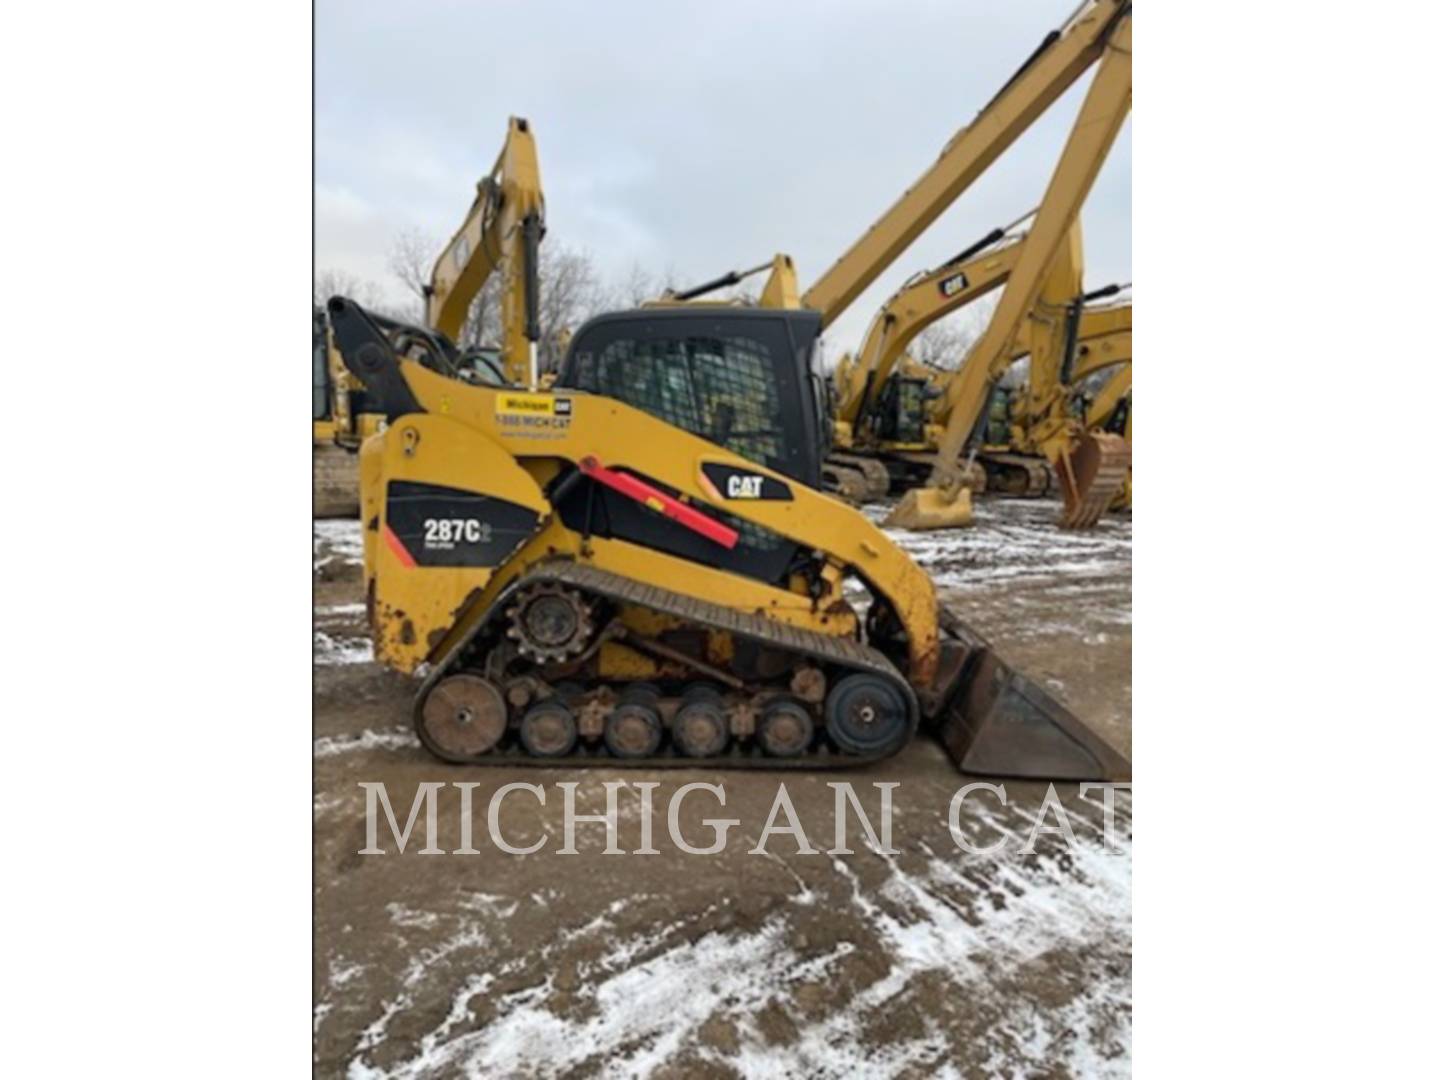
<point>538,416</point>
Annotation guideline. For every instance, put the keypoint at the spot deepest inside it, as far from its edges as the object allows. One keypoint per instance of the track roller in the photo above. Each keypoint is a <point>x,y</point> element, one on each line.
<point>785,729</point>
<point>700,729</point>
<point>549,730</point>
<point>633,730</point>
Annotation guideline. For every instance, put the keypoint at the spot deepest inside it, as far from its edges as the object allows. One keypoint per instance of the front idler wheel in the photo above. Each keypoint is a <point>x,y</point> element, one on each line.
<point>865,714</point>
<point>463,717</point>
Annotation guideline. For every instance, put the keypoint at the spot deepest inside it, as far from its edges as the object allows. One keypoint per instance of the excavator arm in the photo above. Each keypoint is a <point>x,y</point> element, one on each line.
<point>1104,342</point>
<point>1053,68</point>
<point>945,500</point>
<point>920,302</point>
<point>502,230</point>
<point>1103,339</point>
<point>1102,407</point>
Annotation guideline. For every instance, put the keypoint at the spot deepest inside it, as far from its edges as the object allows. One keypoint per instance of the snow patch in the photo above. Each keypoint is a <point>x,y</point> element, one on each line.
<point>394,739</point>
<point>332,651</point>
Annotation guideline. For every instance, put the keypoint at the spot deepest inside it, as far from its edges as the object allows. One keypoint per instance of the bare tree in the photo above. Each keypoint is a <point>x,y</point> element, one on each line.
<point>332,282</point>
<point>945,344</point>
<point>412,257</point>
<point>570,292</point>
<point>634,288</point>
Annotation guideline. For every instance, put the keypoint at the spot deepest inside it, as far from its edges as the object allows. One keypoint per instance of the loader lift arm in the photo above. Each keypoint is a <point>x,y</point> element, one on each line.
<point>503,230</point>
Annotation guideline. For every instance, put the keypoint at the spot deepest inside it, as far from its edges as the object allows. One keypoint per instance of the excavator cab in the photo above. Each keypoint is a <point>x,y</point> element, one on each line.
<point>900,412</point>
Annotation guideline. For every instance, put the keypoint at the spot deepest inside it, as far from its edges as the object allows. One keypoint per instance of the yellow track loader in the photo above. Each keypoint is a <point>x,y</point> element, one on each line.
<point>636,567</point>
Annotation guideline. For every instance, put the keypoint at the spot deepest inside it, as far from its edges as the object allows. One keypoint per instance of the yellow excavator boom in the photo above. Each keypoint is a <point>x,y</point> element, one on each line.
<point>1106,105</point>
<point>502,230</point>
<point>1108,399</point>
<point>925,299</point>
<point>1053,68</point>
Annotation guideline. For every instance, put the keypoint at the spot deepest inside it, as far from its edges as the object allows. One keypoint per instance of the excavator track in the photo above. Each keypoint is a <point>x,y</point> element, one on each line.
<point>335,481</point>
<point>849,484</point>
<point>876,475</point>
<point>1092,476</point>
<point>1017,475</point>
<point>464,715</point>
<point>912,468</point>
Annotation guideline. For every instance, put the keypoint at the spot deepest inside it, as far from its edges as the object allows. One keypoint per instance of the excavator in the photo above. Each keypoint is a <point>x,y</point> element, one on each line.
<point>1104,342</point>
<point>1093,31</point>
<point>885,401</point>
<point>502,229</point>
<point>636,566</point>
<point>1098,340</point>
<point>1090,466</point>
<point>1058,333</point>
<point>880,405</point>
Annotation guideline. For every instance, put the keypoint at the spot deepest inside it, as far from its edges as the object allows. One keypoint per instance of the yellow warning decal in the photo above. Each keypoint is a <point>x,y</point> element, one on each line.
<point>525,405</point>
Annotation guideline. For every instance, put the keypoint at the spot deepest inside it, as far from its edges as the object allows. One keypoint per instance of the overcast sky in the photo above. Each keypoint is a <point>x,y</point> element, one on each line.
<point>686,138</point>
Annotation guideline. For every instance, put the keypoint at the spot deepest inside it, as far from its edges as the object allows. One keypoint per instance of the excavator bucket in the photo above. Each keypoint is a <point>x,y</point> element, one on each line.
<point>1092,475</point>
<point>930,508</point>
<point>997,722</point>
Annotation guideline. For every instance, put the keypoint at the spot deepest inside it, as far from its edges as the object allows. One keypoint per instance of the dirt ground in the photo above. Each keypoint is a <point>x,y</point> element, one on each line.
<point>929,961</point>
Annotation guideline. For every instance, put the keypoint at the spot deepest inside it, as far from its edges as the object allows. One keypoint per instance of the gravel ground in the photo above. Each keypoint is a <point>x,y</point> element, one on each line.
<point>918,960</point>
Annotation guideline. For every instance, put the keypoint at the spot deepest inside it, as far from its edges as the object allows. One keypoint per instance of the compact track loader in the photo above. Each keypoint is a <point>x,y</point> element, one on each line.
<point>636,567</point>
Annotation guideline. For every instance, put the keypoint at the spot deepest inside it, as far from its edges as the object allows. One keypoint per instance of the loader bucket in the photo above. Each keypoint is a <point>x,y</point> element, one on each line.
<point>929,508</point>
<point>998,722</point>
<point>1092,473</point>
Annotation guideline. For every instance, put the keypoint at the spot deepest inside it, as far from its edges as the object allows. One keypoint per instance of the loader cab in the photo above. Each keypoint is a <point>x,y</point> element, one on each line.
<point>741,378</point>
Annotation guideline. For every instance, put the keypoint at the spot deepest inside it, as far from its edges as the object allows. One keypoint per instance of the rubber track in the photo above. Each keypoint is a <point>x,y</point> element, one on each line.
<point>1039,478</point>
<point>825,648</point>
<point>877,476</point>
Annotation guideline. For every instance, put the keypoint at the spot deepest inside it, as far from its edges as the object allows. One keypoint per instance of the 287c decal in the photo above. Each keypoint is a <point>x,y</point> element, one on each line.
<point>445,533</point>
<point>432,525</point>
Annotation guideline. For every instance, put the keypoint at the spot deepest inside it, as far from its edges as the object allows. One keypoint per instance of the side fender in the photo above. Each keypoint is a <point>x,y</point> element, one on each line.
<point>445,507</point>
